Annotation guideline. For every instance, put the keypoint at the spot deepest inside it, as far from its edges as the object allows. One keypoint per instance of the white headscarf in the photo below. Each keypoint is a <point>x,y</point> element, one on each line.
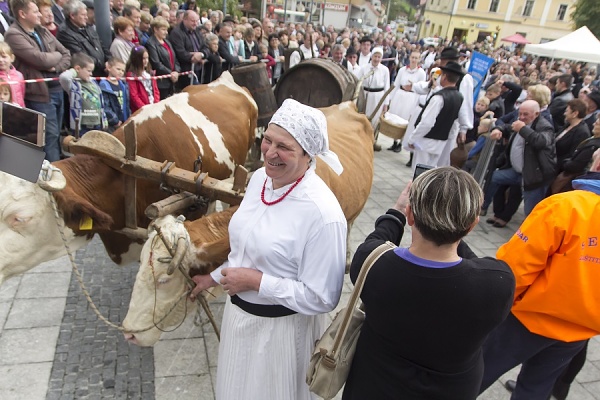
<point>377,50</point>
<point>309,127</point>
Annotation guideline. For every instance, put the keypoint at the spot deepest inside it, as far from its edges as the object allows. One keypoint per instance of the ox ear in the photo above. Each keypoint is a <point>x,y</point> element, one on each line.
<point>76,209</point>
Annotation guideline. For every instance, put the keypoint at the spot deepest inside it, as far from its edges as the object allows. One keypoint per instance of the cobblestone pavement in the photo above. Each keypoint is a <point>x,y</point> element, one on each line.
<point>53,347</point>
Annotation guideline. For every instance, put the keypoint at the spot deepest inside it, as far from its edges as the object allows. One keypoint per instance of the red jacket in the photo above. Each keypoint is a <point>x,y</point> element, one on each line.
<point>138,95</point>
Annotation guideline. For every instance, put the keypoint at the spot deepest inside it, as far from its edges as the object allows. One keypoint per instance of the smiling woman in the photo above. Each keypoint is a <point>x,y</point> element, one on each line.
<point>286,266</point>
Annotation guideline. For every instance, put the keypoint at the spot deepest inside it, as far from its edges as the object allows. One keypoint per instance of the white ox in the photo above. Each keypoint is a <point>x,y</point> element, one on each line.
<point>215,122</point>
<point>156,291</point>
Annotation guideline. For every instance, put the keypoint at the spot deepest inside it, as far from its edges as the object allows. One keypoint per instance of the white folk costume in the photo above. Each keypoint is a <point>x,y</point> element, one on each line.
<point>363,59</point>
<point>403,103</point>
<point>376,82</point>
<point>355,69</point>
<point>295,57</point>
<point>299,244</point>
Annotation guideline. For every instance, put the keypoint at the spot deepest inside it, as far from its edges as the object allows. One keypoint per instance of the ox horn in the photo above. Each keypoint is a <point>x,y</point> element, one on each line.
<point>51,179</point>
<point>180,250</point>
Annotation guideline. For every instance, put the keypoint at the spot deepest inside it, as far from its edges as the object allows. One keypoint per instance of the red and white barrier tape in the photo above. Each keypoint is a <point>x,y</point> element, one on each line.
<point>98,78</point>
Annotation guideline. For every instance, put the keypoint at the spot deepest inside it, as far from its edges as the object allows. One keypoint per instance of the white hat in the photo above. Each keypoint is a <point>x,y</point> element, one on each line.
<point>309,127</point>
<point>377,50</point>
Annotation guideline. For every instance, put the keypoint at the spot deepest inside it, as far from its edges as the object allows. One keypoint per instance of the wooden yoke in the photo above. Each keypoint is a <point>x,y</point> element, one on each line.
<point>124,159</point>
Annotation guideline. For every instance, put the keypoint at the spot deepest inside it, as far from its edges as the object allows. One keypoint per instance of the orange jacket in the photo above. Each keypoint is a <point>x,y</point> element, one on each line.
<point>555,257</point>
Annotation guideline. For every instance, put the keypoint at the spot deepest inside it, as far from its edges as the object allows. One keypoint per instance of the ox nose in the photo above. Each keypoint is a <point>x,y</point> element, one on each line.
<point>130,337</point>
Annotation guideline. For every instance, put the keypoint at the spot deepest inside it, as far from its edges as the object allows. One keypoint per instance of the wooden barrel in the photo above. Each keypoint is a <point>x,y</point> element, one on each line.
<point>316,82</point>
<point>254,77</point>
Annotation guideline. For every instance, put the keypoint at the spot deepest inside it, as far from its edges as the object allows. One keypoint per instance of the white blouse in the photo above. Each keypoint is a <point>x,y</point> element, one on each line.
<point>299,244</point>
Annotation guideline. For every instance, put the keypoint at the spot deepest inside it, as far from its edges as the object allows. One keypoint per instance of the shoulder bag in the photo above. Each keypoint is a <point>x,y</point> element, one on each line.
<point>331,360</point>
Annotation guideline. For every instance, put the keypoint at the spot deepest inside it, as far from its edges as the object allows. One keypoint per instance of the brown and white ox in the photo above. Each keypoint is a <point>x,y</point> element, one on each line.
<point>215,122</point>
<point>158,297</point>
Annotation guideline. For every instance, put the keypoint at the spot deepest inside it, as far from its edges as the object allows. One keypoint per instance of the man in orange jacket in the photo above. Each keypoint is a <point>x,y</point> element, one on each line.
<point>555,257</point>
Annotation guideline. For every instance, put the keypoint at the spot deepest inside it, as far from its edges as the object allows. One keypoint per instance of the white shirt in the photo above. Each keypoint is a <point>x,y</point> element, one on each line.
<point>295,57</point>
<point>354,68</point>
<point>379,79</point>
<point>363,59</point>
<point>299,244</point>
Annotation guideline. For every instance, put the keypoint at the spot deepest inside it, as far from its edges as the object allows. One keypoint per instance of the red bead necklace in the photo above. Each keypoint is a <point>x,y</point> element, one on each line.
<point>271,203</point>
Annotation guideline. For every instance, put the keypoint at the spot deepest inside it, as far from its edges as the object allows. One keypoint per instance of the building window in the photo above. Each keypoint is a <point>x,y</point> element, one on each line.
<point>562,10</point>
<point>472,4</point>
<point>494,5</point>
<point>528,8</point>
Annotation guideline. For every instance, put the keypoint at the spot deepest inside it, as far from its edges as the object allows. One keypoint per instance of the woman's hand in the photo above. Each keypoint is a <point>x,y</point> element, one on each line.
<point>174,76</point>
<point>236,280</point>
<point>402,201</point>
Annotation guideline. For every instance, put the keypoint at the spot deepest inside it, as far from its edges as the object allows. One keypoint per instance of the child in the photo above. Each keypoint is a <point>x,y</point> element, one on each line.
<point>267,59</point>
<point>496,102</point>
<point>10,74</point>
<point>481,107</point>
<point>5,93</point>
<point>212,67</point>
<point>115,94</point>
<point>141,91</point>
<point>475,141</point>
<point>86,106</point>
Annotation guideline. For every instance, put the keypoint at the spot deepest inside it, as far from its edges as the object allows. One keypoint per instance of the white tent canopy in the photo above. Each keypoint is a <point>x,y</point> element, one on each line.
<point>580,45</point>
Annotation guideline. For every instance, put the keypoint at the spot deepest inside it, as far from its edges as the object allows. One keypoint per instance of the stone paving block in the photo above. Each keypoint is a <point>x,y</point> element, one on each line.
<point>180,357</point>
<point>28,313</point>
<point>55,284</point>
<point>589,373</point>
<point>585,391</point>
<point>593,352</point>
<point>9,289</point>
<point>32,345</point>
<point>192,387</point>
<point>61,264</point>
<point>186,330</point>
<point>4,310</point>
<point>16,381</point>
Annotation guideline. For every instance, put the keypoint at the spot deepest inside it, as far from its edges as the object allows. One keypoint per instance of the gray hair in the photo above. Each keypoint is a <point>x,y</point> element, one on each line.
<point>445,203</point>
<point>211,37</point>
<point>338,47</point>
<point>72,6</point>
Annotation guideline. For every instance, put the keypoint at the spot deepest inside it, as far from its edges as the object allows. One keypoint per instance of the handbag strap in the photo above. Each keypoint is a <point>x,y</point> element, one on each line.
<point>354,297</point>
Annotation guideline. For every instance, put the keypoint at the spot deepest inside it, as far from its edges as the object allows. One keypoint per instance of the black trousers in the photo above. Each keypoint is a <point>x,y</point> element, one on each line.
<point>543,359</point>
<point>507,204</point>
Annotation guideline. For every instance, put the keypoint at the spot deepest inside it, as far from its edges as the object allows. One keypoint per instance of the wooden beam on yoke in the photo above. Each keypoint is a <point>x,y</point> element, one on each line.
<point>130,181</point>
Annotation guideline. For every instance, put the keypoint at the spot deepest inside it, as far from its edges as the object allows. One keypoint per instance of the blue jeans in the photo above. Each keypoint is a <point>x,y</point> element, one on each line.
<point>511,177</point>
<point>54,111</point>
<point>501,177</point>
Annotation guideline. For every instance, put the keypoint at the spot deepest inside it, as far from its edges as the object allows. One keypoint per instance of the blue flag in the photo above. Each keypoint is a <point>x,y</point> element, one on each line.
<point>480,64</point>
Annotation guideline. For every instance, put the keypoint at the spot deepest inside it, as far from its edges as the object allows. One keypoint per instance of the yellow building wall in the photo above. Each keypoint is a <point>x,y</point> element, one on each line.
<point>481,21</point>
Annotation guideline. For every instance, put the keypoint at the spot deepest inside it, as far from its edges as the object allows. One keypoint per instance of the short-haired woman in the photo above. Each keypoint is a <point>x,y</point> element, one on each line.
<point>124,34</point>
<point>162,56</point>
<point>429,307</point>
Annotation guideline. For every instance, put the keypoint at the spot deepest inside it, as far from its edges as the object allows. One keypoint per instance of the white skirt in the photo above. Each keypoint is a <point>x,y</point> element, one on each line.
<point>404,104</point>
<point>265,358</point>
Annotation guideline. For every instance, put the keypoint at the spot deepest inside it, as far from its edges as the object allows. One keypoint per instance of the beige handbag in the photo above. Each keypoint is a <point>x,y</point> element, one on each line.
<point>331,360</point>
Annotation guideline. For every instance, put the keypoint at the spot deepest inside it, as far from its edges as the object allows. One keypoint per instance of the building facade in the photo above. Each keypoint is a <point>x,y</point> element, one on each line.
<point>474,20</point>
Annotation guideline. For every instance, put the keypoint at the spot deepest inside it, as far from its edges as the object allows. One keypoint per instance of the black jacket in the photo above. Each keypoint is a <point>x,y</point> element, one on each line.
<point>248,52</point>
<point>582,156</point>
<point>182,45</point>
<point>84,40</point>
<point>160,61</point>
<point>539,155</point>
<point>59,17</point>
<point>557,108</point>
<point>565,147</point>
<point>9,20</point>
<point>230,59</point>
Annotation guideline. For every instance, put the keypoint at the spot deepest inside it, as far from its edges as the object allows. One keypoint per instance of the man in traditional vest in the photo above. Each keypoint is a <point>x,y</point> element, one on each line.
<point>437,119</point>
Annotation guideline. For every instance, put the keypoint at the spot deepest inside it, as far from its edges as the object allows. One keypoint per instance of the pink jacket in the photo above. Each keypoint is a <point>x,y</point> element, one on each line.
<point>17,89</point>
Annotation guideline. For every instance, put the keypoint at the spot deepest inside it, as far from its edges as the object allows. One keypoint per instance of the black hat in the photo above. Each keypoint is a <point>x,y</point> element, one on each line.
<point>453,67</point>
<point>595,97</point>
<point>366,39</point>
<point>350,51</point>
<point>449,53</point>
<point>89,4</point>
<point>228,18</point>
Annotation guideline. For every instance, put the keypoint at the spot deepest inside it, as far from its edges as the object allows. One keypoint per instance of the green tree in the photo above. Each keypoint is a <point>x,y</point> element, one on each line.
<point>587,13</point>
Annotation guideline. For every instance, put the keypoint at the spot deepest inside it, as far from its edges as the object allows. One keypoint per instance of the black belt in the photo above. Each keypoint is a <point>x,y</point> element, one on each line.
<point>262,310</point>
<point>373,89</point>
